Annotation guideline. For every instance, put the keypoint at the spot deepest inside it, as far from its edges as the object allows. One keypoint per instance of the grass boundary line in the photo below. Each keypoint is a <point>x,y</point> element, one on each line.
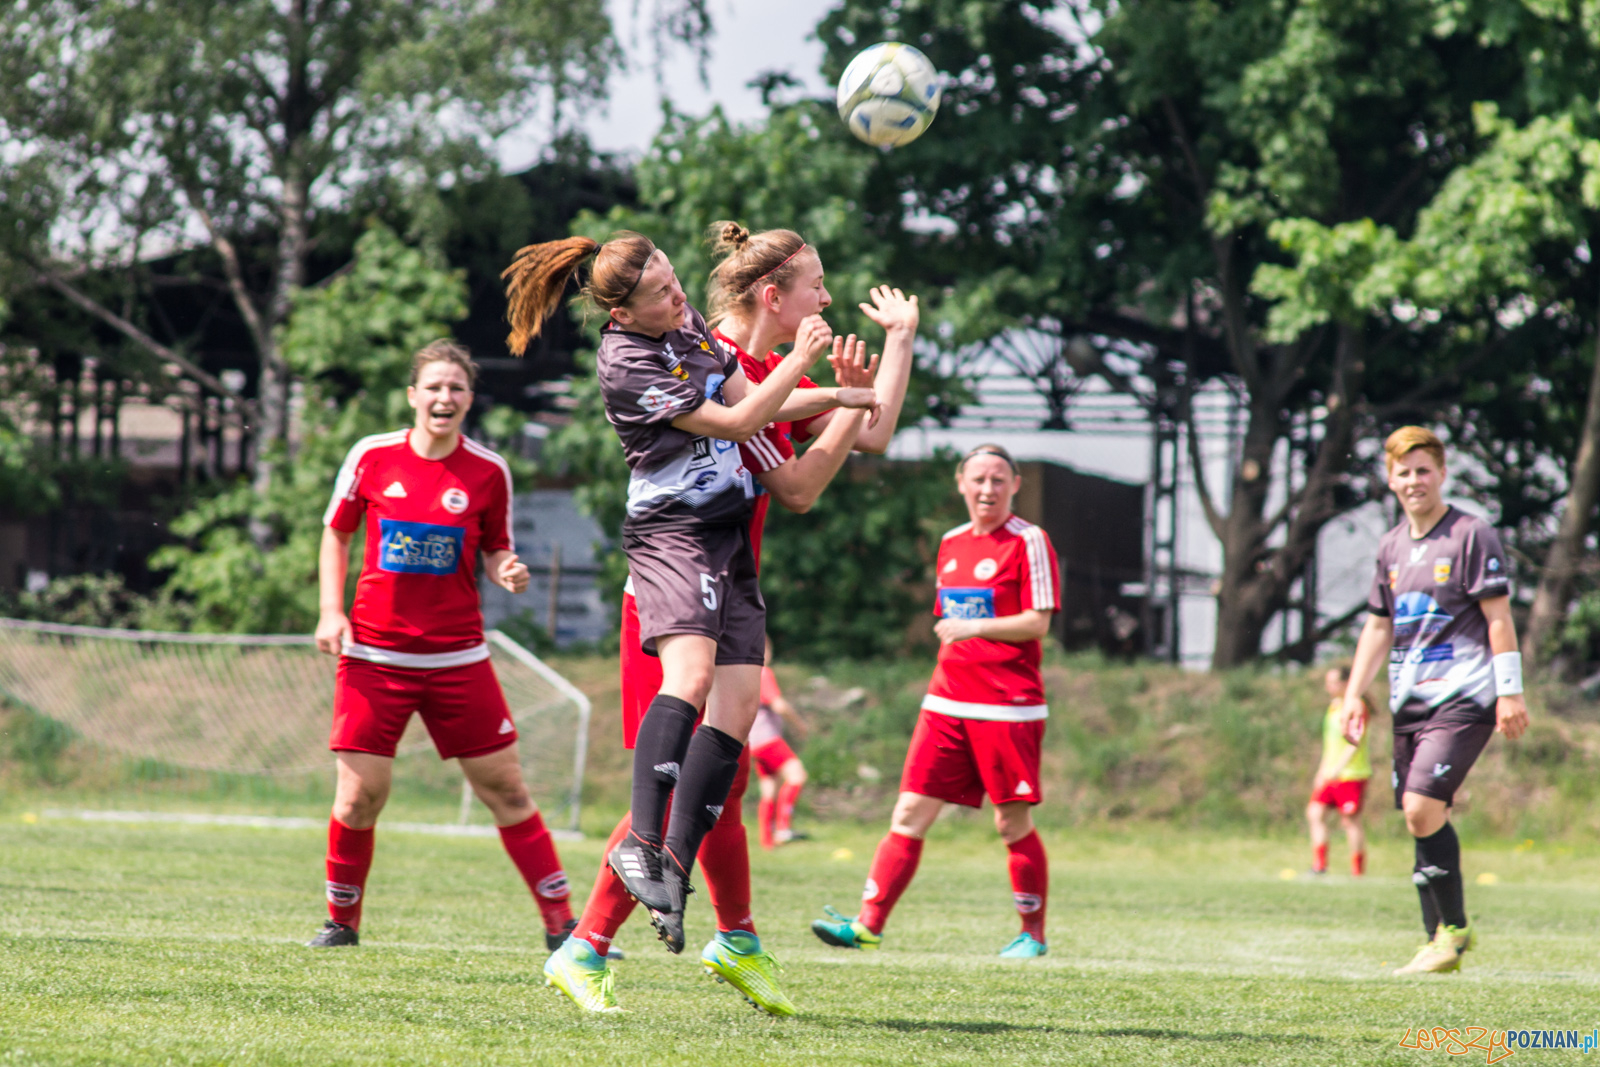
<point>279,822</point>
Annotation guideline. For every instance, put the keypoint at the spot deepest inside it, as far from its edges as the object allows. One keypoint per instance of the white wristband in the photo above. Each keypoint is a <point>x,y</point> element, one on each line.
<point>1507,674</point>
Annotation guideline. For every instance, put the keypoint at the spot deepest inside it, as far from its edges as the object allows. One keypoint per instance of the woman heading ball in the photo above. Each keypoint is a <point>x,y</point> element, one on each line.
<point>681,405</point>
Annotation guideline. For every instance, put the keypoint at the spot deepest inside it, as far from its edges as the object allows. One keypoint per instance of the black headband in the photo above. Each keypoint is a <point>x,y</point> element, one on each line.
<point>989,450</point>
<point>640,278</point>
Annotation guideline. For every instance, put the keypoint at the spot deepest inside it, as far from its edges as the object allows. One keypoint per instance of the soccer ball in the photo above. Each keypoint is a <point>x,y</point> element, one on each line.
<point>888,94</point>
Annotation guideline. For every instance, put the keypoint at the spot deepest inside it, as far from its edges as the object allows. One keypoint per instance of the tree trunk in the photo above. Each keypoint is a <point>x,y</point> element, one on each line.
<point>1561,565</point>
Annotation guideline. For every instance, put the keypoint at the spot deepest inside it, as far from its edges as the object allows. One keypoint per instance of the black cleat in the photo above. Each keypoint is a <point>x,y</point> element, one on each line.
<point>669,921</point>
<point>334,935</point>
<point>556,940</point>
<point>637,865</point>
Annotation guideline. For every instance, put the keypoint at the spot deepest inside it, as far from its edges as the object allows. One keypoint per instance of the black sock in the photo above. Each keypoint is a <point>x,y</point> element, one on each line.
<point>1438,879</point>
<point>708,773</point>
<point>658,753</point>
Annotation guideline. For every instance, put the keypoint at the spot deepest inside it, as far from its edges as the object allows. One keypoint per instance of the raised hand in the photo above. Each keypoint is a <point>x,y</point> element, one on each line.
<point>851,368</point>
<point>892,309</point>
<point>812,338</point>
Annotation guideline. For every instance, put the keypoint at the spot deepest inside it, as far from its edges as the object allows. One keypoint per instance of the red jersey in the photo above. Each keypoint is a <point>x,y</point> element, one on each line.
<point>989,576</point>
<point>774,445</point>
<point>427,519</point>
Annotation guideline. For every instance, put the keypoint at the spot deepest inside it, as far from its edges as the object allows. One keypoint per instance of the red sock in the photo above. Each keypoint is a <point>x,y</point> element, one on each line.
<point>725,858</point>
<point>1319,857</point>
<point>893,867</point>
<point>787,795</point>
<point>609,904</point>
<point>766,813</point>
<point>530,848</point>
<point>1030,883</point>
<point>1358,863</point>
<point>349,859</point>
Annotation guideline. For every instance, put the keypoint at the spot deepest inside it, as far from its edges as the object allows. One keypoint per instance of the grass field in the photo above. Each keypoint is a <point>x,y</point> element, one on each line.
<point>161,945</point>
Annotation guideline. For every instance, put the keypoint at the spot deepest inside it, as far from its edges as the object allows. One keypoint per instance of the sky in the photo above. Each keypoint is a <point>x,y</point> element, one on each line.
<point>752,36</point>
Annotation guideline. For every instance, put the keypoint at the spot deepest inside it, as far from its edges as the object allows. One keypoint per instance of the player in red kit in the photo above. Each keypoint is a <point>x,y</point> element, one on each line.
<point>982,719</point>
<point>413,641</point>
<point>765,286</point>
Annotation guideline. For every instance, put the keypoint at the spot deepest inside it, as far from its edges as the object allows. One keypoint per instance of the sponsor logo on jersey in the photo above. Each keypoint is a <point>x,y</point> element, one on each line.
<point>1418,553</point>
<point>505,726</point>
<point>655,399</point>
<point>454,500</point>
<point>1027,903</point>
<point>341,895</point>
<point>957,603</point>
<point>985,569</point>
<point>419,547</point>
<point>1441,570</point>
<point>949,568</point>
<point>395,490</point>
<point>1493,564</point>
<point>714,386</point>
<point>553,886</point>
<point>1024,789</point>
<point>1418,615</point>
<point>869,890</point>
<point>1394,576</point>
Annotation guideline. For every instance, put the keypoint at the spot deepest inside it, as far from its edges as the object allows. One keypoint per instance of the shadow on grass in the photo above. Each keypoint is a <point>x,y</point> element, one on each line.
<point>912,1026</point>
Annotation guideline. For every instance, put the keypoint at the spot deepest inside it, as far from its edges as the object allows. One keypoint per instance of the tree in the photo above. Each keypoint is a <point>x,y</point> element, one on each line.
<point>135,126</point>
<point>1227,190</point>
<point>351,342</point>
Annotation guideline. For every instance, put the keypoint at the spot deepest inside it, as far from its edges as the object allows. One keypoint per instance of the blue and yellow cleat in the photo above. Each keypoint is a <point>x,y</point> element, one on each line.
<point>738,959</point>
<point>1023,947</point>
<point>844,931</point>
<point>582,974</point>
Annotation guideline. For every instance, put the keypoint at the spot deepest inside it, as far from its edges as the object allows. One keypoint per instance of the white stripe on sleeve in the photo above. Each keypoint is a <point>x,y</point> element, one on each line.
<point>1044,586</point>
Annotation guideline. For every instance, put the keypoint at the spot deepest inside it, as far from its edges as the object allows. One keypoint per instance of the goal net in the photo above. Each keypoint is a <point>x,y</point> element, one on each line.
<point>248,715</point>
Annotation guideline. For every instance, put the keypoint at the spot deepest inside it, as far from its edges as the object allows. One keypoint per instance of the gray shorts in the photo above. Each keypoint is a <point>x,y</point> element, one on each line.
<point>1434,760</point>
<point>699,581</point>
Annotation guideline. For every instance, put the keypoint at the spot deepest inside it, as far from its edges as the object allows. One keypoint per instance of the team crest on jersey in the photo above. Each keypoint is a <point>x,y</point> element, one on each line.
<point>656,399</point>
<point>1394,577</point>
<point>966,603</point>
<point>1441,570</point>
<point>675,365</point>
<point>419,547</point>
<point>454,500</point>
<point>985,569</point>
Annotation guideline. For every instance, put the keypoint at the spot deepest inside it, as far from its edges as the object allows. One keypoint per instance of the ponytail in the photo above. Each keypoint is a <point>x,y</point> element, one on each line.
<point>539,275</point>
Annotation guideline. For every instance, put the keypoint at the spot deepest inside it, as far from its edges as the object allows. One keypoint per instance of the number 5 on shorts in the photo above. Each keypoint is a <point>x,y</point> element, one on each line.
<point>708,586</point>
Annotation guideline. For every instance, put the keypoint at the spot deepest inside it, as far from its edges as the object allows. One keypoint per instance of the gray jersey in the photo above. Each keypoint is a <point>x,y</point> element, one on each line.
<point>678,479</point>
<point>1431,586</point>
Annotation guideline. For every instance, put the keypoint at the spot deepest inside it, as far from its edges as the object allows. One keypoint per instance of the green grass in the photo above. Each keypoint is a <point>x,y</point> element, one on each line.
<point>159,945</point>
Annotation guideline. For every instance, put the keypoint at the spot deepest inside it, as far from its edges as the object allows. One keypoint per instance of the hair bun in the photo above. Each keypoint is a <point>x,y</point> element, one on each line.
<point>734,234</point>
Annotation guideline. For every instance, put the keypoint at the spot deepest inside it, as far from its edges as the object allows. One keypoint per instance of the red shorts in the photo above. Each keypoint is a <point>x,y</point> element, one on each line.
<point>771,756</point>
<point>961,760</point>
<point>1346,796</point>
<point>462,707</point>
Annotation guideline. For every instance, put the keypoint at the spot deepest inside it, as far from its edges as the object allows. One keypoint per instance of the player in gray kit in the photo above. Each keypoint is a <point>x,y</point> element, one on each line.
<point>1440,611</point>
<point>681,405</point>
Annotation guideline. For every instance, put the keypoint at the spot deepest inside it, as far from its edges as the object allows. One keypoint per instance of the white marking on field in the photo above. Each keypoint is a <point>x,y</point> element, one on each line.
<point>281,822</point>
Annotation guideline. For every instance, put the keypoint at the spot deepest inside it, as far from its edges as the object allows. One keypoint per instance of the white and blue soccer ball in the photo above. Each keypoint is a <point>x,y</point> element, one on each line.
<point>889,94</point>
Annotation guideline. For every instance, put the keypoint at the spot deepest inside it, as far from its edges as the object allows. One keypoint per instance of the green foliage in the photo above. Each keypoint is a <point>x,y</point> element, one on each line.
<point>853,577</point>
<point>352,341</point>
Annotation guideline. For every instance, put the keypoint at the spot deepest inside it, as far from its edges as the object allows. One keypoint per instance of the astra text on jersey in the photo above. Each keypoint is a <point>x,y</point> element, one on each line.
<point>417,598</point>
<point>990,576</point>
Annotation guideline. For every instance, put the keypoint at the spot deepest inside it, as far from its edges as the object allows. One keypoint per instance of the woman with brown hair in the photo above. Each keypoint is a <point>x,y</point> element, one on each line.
<point>681,406</point>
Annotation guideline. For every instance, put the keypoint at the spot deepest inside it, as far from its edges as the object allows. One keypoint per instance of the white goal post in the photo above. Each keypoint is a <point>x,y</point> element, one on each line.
<point>255,704</point>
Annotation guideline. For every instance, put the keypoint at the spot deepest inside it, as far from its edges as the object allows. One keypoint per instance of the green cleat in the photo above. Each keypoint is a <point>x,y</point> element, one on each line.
<point>582,974</point>
<point>1023,947</point>
<point>844,931</point>
<point>738,959</point>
